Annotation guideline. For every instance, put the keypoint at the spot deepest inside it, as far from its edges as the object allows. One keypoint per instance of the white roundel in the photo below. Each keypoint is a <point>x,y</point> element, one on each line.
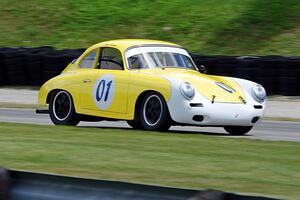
<point>104,91</point>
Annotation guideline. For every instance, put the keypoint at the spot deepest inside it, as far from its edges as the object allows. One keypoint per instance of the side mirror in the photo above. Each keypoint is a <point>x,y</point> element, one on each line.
<point>202,69</point>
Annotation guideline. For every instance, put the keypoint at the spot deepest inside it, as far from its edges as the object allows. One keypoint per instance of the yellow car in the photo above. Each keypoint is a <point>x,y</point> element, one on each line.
<point>152,85</point>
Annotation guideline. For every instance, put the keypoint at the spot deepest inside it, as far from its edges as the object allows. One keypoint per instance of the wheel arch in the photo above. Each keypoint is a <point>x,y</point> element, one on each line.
<point>69,118</point>
<point>53,91</point>
<point>140,99</point>
<point>50,93</point>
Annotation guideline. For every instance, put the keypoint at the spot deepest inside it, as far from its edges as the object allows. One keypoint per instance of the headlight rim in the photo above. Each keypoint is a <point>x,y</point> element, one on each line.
<point>184,93</point>
<point>257,96</point>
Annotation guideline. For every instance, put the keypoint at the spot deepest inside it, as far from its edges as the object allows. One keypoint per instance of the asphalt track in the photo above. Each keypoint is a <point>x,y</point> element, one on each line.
<point>267,130</point>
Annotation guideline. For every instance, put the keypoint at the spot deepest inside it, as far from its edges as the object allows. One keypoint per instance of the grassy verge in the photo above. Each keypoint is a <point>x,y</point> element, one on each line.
<point>208,27</point>
<point>173,159</point>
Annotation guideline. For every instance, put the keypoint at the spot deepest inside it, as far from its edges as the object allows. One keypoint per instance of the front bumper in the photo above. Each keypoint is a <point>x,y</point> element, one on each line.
<point>214,114</point>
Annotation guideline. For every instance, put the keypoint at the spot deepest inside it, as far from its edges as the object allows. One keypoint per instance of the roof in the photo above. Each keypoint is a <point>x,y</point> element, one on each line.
<point>123,44</point>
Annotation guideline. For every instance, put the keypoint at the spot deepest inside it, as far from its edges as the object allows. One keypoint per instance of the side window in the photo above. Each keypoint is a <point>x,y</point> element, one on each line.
<point>89,59</point>
<point>110,58</point>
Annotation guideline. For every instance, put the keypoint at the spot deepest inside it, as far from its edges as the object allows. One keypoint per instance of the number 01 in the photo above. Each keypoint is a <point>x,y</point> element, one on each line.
<point>100,90</point>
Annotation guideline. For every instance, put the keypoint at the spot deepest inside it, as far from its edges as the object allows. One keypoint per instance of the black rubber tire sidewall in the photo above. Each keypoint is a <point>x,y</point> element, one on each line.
<point>134,124</point>
<point>164,122</point>
<point>238,130</point>
<point>72,118</point>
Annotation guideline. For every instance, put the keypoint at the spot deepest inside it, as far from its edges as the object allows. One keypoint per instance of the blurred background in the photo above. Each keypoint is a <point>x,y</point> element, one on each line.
<point>257,40</point>
<point>252,39</point>
<point>210,27</point>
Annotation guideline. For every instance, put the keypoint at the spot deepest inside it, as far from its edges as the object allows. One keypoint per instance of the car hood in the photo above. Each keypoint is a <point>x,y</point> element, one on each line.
<point>215,88</point>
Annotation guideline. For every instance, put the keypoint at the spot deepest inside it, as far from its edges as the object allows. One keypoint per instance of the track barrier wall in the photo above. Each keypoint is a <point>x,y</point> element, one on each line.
<point>34,66</point>
<point>19,185</point>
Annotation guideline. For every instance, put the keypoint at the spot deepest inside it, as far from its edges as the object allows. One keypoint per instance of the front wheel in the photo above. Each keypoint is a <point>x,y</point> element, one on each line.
<point>61,109</point>
<point>154,113</point>
<point>237,130</point>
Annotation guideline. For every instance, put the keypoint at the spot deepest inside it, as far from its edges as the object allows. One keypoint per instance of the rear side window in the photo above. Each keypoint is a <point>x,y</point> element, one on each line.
<point>88,61</point>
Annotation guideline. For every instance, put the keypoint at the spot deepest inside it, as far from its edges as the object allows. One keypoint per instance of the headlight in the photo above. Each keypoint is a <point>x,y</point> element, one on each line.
<point>187,90</point>
<point>259,93</point>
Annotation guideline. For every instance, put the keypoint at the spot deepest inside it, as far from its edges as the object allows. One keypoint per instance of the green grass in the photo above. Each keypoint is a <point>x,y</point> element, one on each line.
<point>207,26</point>
<point>173,159</point>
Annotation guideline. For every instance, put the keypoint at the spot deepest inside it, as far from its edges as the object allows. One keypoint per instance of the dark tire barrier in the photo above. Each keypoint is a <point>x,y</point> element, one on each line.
<point>11,64</point>
<point>247,68</point>
<point>279,75</point>
<point>34,186</point>
<point>268,69</point>
<point>4,184</point>
<point>34,66</point>
<point>289,79</point>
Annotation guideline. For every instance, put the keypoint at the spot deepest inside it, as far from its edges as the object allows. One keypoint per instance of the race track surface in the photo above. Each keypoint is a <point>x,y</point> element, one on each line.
<point>267,130</point>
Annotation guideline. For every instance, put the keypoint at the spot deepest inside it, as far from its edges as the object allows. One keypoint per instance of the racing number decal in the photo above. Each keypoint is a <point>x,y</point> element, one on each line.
<point>104,91</point>
<point>102,87</point>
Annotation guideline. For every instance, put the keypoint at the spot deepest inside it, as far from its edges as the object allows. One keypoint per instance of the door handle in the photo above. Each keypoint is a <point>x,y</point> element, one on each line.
<point>87,80</point>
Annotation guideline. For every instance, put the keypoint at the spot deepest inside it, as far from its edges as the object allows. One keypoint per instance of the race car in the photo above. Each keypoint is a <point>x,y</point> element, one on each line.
<point>152,85</point>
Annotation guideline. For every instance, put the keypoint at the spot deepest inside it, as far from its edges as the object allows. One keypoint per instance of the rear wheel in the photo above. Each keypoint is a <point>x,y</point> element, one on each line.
<point>237,130</point>
<point>61,109</point>
<point>154,113</point>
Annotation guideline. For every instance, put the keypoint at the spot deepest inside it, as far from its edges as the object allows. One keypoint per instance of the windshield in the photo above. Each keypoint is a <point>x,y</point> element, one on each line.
<point>158,57</point>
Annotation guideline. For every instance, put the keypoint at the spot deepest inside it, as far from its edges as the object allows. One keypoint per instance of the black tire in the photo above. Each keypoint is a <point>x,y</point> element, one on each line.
<point>237,130</point>
<point>61,109</point>
<point>154,113</point>
<point>134,124</point>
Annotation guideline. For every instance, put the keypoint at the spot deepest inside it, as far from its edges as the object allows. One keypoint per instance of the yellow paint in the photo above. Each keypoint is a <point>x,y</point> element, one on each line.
<point>129,84</point>
<point>204,84</point>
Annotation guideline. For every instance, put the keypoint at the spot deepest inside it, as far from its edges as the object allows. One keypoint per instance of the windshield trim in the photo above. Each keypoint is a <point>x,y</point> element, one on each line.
<point>159,45</point>
<point>153,45</point>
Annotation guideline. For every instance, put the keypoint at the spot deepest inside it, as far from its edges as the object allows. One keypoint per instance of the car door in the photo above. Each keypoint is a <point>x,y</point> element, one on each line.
<point>104,86</point>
